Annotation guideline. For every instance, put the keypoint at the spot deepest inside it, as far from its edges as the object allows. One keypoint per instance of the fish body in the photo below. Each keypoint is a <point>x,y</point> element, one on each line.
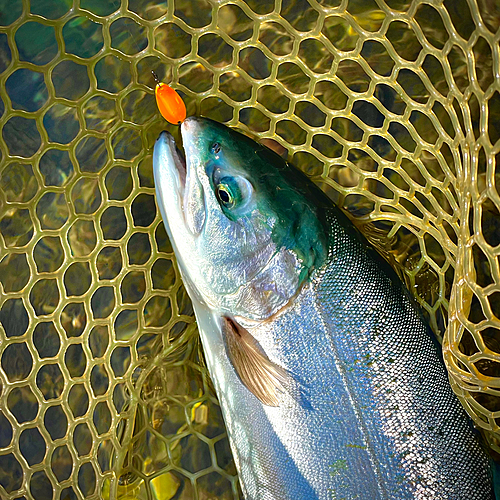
<point>330,383</point>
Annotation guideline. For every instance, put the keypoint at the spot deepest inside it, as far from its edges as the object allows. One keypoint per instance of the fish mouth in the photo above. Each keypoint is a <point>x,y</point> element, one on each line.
<point>180,162</point>
<point>179,191</point>
<point>177,155</point>
<point>172,168</point>
<point>170,173</point>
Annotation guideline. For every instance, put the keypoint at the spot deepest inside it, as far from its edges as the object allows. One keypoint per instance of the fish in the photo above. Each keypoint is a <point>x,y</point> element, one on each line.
<point>330,382</point>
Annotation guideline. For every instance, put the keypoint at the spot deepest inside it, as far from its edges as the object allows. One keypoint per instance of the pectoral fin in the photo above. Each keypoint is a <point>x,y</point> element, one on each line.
<point>263,378</point>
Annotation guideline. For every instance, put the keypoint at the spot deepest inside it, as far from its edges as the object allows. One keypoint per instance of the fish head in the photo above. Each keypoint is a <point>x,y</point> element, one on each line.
<point>247,228</point>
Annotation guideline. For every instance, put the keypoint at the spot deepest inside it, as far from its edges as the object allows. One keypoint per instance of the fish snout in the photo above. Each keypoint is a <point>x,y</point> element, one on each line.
<point>190,124</point>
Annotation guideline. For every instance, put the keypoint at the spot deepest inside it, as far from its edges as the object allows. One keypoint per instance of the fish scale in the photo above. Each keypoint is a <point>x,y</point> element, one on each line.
<point>389,362</point>
<point>282,452</point>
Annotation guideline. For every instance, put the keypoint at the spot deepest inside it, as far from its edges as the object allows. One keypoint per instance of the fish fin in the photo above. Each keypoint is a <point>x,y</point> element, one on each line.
<point>274,146</point>
<point>263,378</point>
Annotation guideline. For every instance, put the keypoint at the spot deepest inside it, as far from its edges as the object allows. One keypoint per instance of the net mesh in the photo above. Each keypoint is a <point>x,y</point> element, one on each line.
<point>392,107</point>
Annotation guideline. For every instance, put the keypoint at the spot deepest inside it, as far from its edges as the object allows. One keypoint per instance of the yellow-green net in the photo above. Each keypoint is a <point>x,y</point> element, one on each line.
<point>392,106</point>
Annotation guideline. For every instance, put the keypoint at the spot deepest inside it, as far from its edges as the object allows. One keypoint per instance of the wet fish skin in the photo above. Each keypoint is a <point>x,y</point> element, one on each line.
<point>359,405</point>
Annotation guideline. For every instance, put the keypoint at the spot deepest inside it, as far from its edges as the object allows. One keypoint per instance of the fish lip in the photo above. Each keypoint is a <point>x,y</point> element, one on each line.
<point>177,156</point>
<point>169,170</point>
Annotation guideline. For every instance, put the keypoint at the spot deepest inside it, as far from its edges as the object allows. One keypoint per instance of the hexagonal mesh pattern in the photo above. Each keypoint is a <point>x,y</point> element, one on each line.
<point>392,107</point>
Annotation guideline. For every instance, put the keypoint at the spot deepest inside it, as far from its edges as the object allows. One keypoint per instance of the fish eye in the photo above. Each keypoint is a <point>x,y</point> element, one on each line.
<point>215,148</point>
<point>232,193</point>
<point>224,195</point>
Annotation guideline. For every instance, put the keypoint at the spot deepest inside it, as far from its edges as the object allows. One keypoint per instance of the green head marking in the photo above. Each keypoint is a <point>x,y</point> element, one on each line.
<point>249,179</point>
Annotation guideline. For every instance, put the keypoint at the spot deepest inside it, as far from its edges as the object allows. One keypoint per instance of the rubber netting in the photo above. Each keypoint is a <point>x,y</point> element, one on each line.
<point>393,107</point>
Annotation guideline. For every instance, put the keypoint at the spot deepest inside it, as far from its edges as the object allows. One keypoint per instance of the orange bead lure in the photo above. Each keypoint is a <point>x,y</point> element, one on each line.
<point>169,102</point>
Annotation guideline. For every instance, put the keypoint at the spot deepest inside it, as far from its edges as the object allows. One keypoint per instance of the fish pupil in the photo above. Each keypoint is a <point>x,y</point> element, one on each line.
<point>223,195</point>
<point>216,148</point>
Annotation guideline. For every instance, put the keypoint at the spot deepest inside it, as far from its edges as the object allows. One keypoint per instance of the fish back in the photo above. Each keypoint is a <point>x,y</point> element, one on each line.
<point>419,439</point>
